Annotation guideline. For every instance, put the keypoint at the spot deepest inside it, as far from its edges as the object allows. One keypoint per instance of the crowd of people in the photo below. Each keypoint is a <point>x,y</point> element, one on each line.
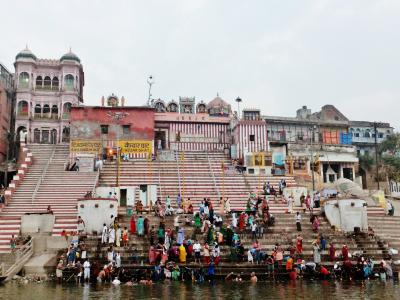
<point>175,251</point>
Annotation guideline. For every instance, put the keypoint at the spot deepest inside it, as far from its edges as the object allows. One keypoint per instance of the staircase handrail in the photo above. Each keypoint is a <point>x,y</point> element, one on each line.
<point>40,180</point>
<point>22,254</point>
<point>213,176</point>
<point>179,173</point>
<point>159,180</point>
<point>95,182</point>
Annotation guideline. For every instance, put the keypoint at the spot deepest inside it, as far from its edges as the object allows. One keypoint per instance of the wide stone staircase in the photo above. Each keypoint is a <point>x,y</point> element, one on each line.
<point>193,174</point>
<point>46,183</point>
<point>283,232</point>
<point>387,228</point>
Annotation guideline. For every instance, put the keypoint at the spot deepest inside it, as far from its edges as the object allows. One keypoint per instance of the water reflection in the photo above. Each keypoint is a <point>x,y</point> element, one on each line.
<point>232,291</point>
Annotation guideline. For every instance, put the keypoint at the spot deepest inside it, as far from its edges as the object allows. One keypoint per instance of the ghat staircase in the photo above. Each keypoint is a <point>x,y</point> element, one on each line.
<point>283,232</point>
<point>46,183</point>
<point>193,174</point>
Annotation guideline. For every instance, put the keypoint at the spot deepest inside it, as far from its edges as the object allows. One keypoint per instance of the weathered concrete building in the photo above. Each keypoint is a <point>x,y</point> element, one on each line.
<point>101,129</point>
<point>321,137</point>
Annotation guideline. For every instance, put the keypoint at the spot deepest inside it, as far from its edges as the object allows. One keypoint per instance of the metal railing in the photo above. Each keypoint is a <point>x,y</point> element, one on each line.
<point>95,183</point>
<point>159,181</point>
<point>40,180</point>
<point>22,255</point>
<point>179,174</point>
<point>212,175</point>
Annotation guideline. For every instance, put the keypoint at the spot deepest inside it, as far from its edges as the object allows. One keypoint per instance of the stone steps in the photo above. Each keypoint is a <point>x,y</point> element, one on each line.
<point>60,189</point>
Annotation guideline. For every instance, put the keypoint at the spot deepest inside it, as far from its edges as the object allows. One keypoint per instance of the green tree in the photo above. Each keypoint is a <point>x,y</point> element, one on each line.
<point>389,151</point>
<point>366,162</point>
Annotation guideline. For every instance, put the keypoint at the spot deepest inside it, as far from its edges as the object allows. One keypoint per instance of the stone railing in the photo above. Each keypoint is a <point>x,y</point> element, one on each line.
<point>41,178</point>
<point>25,161</point>
<point>22,256</point>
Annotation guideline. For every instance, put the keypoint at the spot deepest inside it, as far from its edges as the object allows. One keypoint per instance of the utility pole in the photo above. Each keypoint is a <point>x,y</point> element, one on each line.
<point>312,158</point>
<point>238,101</point>
<point>376,155</point>
<point>150,81</point>
<point>116,117</point>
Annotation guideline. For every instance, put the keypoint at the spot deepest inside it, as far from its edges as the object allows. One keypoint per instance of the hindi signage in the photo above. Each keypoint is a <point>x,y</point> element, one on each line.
<point>135,147</point>
<point>85,146</point>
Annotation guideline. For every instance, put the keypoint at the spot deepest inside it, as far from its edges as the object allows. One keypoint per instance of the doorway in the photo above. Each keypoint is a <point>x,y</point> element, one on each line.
<point>122,199</point>
<point>348,173</point>
<point>160,140</point>
<point>45,137</point>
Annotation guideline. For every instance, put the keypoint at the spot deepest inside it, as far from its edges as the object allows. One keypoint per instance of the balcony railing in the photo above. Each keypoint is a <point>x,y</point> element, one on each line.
<point>45,117</point>
<point>277,137</point>
<point>21,115</point>
<point>47,88</point>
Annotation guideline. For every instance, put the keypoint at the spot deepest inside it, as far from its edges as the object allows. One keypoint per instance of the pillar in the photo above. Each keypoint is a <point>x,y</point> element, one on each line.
<point>341,171</point>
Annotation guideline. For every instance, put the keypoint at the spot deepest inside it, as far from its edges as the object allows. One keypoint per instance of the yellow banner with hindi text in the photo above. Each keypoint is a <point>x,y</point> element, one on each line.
<point>135,147</point>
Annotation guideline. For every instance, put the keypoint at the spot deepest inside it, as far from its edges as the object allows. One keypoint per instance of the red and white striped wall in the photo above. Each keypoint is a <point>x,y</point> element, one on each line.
<point>199,136</point>
<point>192,146</point>
<point>242,132</point>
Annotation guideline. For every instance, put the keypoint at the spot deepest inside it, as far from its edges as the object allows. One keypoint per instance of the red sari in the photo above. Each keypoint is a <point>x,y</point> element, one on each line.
<point>242,218</point>
<point>299,246</point>
<point>133,224</point>
<point>332,252</point>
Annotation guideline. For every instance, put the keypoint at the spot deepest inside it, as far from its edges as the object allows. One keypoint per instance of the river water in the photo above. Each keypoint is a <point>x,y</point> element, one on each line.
<point>175,290</point>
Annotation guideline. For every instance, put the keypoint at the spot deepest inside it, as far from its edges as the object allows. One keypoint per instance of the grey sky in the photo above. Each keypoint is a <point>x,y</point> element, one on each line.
<point>275,55</point>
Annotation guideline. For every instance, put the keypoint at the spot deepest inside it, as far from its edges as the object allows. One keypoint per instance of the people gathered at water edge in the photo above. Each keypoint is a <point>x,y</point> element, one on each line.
<point>182,243</point>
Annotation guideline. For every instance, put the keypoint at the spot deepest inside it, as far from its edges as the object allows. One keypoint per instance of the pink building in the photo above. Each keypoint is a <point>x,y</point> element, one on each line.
<point>46,89</point>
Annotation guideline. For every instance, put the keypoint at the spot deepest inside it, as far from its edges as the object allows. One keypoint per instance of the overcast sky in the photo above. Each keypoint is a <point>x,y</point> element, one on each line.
<point>276,55</point>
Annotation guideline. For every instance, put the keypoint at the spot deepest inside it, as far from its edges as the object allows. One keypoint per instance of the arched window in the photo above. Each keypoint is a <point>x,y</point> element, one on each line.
<point>24,80</point>
<point>172,107</point>
<point>46,109</point>
<point>47,83</point>
<point>367,134</point>
<point>56,83</point>
<point>22,108</point>
<point>69,82</point>
<point>38,110</point>
<point>159,106</point>
<point>54,112</point>
<point>66,110</point>
<point>39,82</point>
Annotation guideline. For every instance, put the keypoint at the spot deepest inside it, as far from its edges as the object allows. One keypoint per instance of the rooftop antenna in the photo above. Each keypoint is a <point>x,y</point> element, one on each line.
<point>150,81</point>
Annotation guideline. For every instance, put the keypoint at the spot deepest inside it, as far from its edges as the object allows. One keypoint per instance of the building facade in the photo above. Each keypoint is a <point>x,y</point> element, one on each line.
<point>46,90</point>
<point>319,141</point>
<point>6,106</point>
<point>100,130</point>
<point>190,126</point>
<point>363,135</point>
